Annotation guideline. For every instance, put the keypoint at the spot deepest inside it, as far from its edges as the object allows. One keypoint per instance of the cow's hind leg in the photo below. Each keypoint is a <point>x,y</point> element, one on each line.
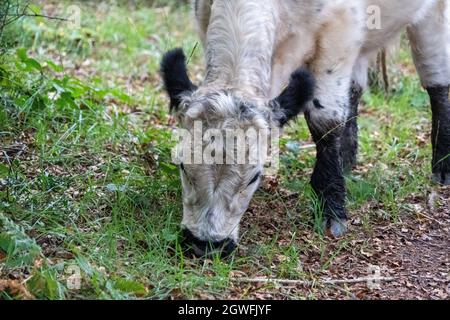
<point>431,51</point>
<point>349,143</point>
<point>440,133</point>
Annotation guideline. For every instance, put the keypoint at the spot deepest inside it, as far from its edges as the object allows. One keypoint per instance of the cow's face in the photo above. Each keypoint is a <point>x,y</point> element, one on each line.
<point>220,165</point>
<point>224,141</point>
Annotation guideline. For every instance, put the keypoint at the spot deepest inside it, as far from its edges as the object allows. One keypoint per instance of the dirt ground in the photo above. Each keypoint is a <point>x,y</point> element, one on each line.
<point>413,256</point>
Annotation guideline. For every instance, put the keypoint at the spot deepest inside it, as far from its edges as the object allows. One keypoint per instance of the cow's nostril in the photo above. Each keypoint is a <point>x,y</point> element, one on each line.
<point>203,248</point>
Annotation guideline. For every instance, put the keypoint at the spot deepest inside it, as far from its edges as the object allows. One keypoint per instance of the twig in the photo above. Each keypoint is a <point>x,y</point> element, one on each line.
<point>307,146</point>
<point>35,15</point>
<point>311,283</point>
<point>3,24</point>
<point>423,215</point>
<point>384,71</point>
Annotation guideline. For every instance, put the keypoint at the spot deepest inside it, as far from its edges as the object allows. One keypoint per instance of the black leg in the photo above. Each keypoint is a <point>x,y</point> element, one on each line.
<point>349,142</point>
<point>440,106</point>
<point>327,179</point>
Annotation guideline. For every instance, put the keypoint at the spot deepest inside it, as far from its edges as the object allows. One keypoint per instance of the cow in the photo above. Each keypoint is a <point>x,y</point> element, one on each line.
<point>268,61</point>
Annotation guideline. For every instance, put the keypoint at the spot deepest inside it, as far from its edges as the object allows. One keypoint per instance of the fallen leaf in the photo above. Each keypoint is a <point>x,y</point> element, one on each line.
<point>16,288</point>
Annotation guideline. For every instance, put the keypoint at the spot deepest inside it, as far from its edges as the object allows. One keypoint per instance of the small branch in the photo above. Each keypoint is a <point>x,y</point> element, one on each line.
<point>384,70</point>
<point>307,146</point>
<point>3,24</point>
<point>430,218</point>
<point>35,15</point>
<point>311,283</point>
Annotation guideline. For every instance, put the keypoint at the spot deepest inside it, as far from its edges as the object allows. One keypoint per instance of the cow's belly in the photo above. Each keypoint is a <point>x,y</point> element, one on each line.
<point>394,17</point>
<point>296,49</point>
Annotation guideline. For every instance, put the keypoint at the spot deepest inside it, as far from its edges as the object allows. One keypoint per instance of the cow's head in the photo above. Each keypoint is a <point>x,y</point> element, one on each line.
<point>219,184</point>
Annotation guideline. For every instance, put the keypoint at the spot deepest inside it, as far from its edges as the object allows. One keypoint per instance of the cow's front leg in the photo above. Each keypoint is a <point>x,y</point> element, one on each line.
<point>327,115</point>
<point>326,123</point>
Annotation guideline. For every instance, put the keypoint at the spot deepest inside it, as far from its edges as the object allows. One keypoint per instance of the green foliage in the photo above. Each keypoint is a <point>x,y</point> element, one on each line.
<point>11,12</point>
<point>44,284</point>
<point>63,116</point>
<point>20,249</point>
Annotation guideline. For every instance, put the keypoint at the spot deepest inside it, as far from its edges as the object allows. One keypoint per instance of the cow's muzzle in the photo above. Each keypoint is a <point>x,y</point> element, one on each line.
<point>203,248</point>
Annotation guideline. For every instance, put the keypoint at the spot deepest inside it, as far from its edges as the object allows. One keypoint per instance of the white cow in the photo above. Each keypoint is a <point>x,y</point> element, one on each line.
<point>252,47</point>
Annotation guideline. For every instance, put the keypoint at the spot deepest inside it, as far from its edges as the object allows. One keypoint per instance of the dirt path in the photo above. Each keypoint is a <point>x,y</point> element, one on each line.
<point>414,252</point>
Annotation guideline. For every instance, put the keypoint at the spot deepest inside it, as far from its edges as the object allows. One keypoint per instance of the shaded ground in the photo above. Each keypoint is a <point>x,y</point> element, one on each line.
<point>414,252</point>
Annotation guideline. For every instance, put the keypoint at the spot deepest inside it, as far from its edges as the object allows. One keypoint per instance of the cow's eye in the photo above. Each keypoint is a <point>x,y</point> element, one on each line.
<point>255,178</point>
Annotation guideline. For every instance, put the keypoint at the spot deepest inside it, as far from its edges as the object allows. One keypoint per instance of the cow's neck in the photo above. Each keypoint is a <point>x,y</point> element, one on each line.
<point>239,46</point>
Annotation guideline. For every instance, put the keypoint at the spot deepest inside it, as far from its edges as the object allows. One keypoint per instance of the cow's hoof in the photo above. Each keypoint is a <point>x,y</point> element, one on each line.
<point>335,227</point>
<point>442,178</point>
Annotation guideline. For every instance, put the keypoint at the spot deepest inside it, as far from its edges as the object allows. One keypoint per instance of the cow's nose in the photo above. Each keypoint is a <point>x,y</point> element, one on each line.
<point>203,248</point>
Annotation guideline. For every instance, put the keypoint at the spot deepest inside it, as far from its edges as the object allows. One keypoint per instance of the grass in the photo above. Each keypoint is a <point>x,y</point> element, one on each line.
<point>91,187</point>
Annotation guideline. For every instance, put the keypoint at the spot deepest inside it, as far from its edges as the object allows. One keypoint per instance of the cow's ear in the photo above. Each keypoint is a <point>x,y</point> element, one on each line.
<point>294,97</point>
<point>175,77</point>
